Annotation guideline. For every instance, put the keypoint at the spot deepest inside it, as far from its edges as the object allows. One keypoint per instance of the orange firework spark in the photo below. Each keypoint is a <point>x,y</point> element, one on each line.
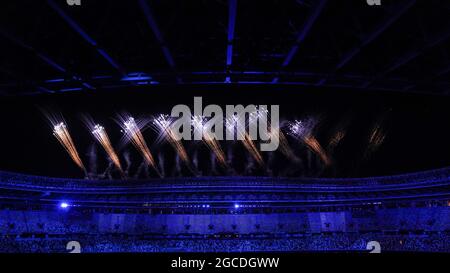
<point>284,144</point>
<point>210,141</point>
<point>61,132</point>
<point>216,148</point>
<point>102,137</point>
<point>336,139</point>
<point>285,148</point>
<point>231,125</point>
<point>377,136</point>
<point>248,143</point>
<point>315,146</point>
<point>135,135</point>
<point>163,124</point>
<point>376,139</point>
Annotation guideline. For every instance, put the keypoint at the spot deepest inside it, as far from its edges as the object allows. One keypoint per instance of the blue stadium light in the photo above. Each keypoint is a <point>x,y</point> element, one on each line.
<point>55,80</point>
<point>63,205</point>
<point>138,76</point>
<point>70,89</point>
<point>236,206</point>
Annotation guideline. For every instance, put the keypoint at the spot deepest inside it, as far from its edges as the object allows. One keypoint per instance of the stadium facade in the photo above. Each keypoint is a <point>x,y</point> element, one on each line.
<point>238,213</point>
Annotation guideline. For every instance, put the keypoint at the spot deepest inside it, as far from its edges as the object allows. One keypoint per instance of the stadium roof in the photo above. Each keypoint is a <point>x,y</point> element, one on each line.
<point>51,47</point>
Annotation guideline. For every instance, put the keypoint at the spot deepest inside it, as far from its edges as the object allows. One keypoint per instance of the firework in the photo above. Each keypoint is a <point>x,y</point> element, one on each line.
<point>162,123</point>
<point>314,145</point>
<point>376,139</point>
<point>336,139</point>
<point>102,137</point>
<point>250,146</point>
<point>61,132</point>
<point>210,141</point>
<point>377,134</point>
<point>133,132</point>
<point>285,148</point>
<point>303,130</point>
<point>284,144</point>
<point>231,124</point>
<point>340,132</point>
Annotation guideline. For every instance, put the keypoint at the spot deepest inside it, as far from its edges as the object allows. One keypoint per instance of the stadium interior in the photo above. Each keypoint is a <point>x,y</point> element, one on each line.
<point>363,156</point>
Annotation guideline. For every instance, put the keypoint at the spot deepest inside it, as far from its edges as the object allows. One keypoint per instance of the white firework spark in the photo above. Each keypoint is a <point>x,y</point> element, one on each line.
<point>303,130</point>
<point>61,132</point>
<point>133,132</point>
<point>162,123</point>
<point>101,136</point>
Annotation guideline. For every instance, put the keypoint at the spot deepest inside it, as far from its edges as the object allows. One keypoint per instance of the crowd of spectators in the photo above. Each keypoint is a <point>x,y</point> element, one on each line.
<point>439,242</point>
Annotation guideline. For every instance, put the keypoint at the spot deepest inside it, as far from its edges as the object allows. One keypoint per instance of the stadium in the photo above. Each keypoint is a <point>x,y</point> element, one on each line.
<point>90,161</point>
<point>404,213</point>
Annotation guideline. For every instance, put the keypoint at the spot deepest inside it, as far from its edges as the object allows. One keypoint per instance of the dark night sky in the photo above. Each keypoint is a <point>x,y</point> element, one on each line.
<point>416,125</point>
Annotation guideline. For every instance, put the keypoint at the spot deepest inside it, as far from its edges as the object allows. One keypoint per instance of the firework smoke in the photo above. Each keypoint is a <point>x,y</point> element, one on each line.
<point>231,125</point>
<point>176,171</point>
<point>141,169</point>
<point>209,140</point>
<point>107,172</point>
<point>302,130</point>
<point>126,156</point>
<point>61,132</point>
<point>161,163</point>
<point>92,154</point>
<point>133,132</point>
<point>195,159</point>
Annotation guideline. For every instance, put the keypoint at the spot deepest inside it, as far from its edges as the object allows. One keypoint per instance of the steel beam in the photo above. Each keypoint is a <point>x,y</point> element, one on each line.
<point>77,28</point>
